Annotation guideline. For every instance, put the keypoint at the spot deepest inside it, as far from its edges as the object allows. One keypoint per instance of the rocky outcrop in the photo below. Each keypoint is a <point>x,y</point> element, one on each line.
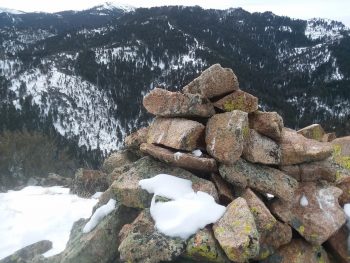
<point>180,134</point>
<point>238,100</point>
<point>269,124</point>
<point>165,103</point>
<point>135,139</point>
<point>225,134</point>
<point>118,159</point>
<point>338,244</point>
<point>213,82</point>
<point>314,131</point>
<point>88,182</point>
<point>341,151</point>
<point>236,232</point>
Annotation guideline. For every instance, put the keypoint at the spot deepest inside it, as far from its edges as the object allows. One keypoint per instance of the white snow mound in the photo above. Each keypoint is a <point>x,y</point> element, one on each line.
<point>187,212</point>
<point>99,214</point>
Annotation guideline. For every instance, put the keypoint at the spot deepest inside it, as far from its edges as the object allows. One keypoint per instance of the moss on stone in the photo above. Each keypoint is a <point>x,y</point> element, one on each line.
<point>344,161</point>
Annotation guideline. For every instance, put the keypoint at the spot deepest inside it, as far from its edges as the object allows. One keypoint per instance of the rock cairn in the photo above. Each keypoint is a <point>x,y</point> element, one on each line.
<point>279,184</point>
<point>281,187</point>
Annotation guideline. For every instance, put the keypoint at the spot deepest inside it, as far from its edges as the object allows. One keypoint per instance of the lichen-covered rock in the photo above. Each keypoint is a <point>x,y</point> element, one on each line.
<point>327,170</point>
<point>314,212</point>
<point>298,149</point>
<point>88,182</point>
<point>329,137</point>
<point>99,245</point>
<point>26,254</point>
<point>214,81</point>
<point>180,159</point>
<point>344,185</point>
<point>269,124</point>
<point>203,247</point>
<point>279,235</point>
<point>261,149</point>
<point>236,232</point>
<point>225,135</point>
<point>118,159</point>
<point>314,131</point>
<point>165,103</point>
<point>141,242</point>
<point>224,189</point>
<point>298,251</point>
<point>127,190</point>
<point>338,245</point>
<point>264,220</point>
<point>238,100</point>
<point>261,178</point>
<point>341,151</point>
<point>177,133</point>
<point>135,139</point>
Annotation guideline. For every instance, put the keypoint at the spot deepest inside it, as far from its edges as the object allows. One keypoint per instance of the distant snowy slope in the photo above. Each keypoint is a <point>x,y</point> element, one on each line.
<point>10,11</point>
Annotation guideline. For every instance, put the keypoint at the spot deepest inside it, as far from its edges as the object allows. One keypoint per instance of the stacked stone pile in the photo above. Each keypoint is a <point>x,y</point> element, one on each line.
<point>279,185</point>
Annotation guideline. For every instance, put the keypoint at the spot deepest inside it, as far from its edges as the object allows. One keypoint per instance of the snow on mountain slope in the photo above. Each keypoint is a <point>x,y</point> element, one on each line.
<point>324,28</point>
<point>10,11</point>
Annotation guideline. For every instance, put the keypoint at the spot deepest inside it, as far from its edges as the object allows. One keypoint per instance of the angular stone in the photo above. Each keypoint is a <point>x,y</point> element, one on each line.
<point>214,81</point>
<point>165,103</point>
<point>224,189</point>
<point>298,149</point>
<point>269,124</point>
<point>203,247</point>
<point>298,251</point>
<point>88,182</point>
<point>264,179</point>
<point>279,235</point>
<point>264,220</point>
<point>225,134</point>
<point>238,100</point>
<point>118,159</point>
<point>322,170</point>
<point>328,137</point>
<point>135,139</point>
<point>314,131</point>
<point>126,186</point>
<point>338,245</point>
<point>314,212</point>
<point>344,185</point>
<point>141,242</point>
<point>99,245</point>
<point>27,253</point>
<point>183,160</point>
<point>180,134</point>
<point>341,151</point>
<point>236,232</point>
<point>261,149</point>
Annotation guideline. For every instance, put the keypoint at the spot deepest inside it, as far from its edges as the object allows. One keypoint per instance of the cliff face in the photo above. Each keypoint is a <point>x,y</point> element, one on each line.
<point>281,187</point>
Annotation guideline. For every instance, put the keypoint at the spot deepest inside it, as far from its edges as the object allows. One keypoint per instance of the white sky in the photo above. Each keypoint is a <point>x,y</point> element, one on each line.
<point>333,9</point>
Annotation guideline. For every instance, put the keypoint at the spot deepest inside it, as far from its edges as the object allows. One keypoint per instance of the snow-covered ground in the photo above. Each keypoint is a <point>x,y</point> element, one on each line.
<point>37,213</point>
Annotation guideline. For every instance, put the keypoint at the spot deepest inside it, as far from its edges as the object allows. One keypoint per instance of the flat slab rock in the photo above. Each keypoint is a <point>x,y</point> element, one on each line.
<point>314,212</point>
<point>224,189</point>
<point>338,245</point>
<point>179,159</point>
<point>238,100</point>
<point>225,134</point>
<point>299,251</point>
<point>141,242</point>
<point>298,149</point>
<point>269,124</point>
<point>214,81</point>
<point>264,179</point>
<point>314,131</point>
<point>261,149</point>
<point>236,232</point>
<point>203,247</point>
<point>165,103</point>
<point>127,190</point>
<point>177,133</point>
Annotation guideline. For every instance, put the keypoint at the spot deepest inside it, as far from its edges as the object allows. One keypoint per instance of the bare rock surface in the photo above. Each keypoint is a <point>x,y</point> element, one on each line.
<point>261,149</point>
<point>224,189</point>
<point>338,245</point>
<point>135,139</point>
<point>180,159</point>
<point>161,102</point>
<point>314,131</point>
<point>236,232</point>
<point>177,133</point>
<point>225,135</point>
<point>118,159</point>
<point>314,212</point>
<point>214,81</point>
<point>88,182</point>
<point>269,124</point>
<point>341,154</point>
<point>261,178</point>
<point>238,100</point>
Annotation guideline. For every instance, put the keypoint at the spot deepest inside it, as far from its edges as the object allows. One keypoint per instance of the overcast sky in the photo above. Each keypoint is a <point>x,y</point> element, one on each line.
<point>333,9</point>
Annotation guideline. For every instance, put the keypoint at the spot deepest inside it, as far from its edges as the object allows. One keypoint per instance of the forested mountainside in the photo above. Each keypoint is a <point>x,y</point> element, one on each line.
<point>80,77</point>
